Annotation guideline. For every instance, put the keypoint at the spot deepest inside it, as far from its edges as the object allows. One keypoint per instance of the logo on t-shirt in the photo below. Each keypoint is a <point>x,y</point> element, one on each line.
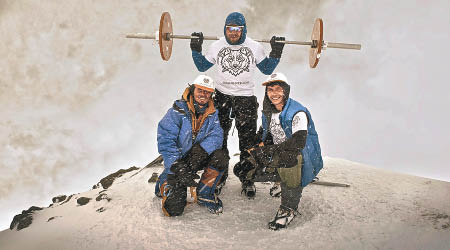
<point>235,61</point>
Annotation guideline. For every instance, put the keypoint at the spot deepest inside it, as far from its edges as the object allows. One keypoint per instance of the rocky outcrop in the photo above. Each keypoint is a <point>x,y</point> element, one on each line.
<point>24,219</point>
<point>83,201</point>
<point>59,198</point>
<point>153,178</point>
<point>108,180</point>
<point>100,210</point>
<point>68,199</point>
<point>103,197</point>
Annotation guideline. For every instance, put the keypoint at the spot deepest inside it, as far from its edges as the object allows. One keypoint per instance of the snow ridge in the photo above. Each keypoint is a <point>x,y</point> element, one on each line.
<point>381,209</point>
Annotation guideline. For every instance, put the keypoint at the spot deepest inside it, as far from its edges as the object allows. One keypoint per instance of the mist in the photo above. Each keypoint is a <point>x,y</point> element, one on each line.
<point>78,100</point>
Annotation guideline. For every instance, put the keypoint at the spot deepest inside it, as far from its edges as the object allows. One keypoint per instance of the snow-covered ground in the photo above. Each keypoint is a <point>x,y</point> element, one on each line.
<point>381,210</point>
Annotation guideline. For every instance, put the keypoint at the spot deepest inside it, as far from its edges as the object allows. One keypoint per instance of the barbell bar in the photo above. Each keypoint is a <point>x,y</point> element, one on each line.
<point>165,37</point>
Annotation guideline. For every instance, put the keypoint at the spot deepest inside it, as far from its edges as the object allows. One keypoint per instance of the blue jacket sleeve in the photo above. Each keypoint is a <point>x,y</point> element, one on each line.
<point>200,61</point>
<point>214,139</point>
<point>268,65</point>
<point>168,129</point>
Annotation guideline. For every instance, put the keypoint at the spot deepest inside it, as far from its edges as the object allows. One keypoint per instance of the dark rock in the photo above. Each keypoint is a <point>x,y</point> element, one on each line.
<point>100,197</point>
<point>153,178</point>
<point>24,219</point>
<point>103,197</point>
<point>68,199</point>
<point>52,218</point>
<point>59,198</point>
<point>83,201</point>
<point>108,180</point>
<point>102,209</point>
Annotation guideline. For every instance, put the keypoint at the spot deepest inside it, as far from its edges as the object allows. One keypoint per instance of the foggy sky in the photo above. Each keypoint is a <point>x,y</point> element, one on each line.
<point>79,101</point>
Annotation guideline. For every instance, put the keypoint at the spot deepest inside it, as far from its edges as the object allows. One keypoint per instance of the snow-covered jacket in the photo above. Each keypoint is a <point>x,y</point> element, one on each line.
<point>311,153</point>
<point>179,129</point>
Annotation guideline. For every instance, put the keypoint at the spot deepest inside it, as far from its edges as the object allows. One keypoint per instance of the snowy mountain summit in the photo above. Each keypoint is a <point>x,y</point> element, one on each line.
<point>380,210</point>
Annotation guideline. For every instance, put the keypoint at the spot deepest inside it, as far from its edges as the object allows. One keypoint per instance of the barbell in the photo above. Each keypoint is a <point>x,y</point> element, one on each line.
<point>164,35</point>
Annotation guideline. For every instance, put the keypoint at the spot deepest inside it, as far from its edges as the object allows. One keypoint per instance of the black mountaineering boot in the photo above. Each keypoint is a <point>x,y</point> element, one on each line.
<point>248,189</point>
<point>283,217</point>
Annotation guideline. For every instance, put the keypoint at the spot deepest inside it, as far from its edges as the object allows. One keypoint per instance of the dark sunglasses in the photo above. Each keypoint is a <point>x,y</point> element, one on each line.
<point>234,28</point>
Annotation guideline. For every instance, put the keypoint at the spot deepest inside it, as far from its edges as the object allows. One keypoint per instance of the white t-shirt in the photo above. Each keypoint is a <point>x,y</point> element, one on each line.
<point>299,122</point>
<point>235,65</point>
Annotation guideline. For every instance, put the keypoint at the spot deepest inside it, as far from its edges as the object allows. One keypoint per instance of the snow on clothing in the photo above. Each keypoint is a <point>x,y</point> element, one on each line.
<point>180,129</point>
<point>312,161</point>
<point>245,111</point>
<point>236,63</point>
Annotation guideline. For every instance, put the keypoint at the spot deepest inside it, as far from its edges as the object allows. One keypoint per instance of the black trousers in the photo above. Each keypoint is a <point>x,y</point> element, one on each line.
<point>290,196</point>
<point>175,203</point>
<point>244,109</point>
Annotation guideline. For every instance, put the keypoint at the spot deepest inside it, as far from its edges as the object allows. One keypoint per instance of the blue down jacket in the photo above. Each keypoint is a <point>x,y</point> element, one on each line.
<point>176,137</point>
<point>311,153</point>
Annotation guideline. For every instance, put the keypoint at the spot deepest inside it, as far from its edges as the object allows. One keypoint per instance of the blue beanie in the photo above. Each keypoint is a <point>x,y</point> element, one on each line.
<point>238,19</point>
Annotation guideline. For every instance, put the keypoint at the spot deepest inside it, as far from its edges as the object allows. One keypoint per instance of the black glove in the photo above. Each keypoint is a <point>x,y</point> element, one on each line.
<point>182,175</point>
<point>265,156</point>
<point>196,43</point>
<point>196,157</point>
<point>277,48</point>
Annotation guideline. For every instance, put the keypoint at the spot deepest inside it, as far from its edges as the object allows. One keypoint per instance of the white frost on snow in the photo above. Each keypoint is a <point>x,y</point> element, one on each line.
<point>381,210</point>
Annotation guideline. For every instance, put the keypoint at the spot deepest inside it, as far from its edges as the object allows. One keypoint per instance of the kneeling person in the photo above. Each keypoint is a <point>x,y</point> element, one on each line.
<point>288,153</point>
<point>190,139</point>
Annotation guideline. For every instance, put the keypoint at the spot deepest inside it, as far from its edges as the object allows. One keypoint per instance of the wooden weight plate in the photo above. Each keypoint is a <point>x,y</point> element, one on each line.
<point>317,35</point>
<point>165,42</point>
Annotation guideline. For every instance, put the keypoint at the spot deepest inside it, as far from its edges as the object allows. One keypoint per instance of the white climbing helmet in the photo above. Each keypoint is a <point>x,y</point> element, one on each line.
<point>276,77</point>
<point>204,82</point>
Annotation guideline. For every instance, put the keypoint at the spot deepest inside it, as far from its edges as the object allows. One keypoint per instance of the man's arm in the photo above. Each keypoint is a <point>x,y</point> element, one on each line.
<point>200,60</point>
<point>268,65</point>
<point>285,154</point>
<point>168,129</point>
<point>214,139</point>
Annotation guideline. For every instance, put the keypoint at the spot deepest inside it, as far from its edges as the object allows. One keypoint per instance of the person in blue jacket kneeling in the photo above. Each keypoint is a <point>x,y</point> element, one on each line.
<point>190,140</point>
<point>288,152</point>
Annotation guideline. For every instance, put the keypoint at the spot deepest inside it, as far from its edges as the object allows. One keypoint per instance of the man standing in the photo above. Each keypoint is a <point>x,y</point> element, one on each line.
<point>190,139</point>
<point>237,57</point>
<point>289,149</point>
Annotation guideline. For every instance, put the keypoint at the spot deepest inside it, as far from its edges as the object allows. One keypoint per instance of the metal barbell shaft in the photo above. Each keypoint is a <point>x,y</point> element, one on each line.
<point>287,42</point>
<point>140,36</point>
<point>328,44</point>
<point>190,37</point>
<point>343,45</point>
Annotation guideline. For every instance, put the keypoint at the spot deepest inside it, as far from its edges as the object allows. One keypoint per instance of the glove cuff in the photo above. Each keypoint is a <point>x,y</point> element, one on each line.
<point>196,47</point>
<point>275,53</point>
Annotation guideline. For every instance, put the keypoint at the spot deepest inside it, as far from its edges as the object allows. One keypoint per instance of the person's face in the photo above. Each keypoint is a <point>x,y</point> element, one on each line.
<point>233,33</point>
<point>276,95</point>
<point>201,96</point>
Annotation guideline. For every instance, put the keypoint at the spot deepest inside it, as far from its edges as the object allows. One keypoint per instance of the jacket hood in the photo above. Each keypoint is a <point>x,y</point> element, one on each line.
<point>236,18</point>
<point>268,107</point>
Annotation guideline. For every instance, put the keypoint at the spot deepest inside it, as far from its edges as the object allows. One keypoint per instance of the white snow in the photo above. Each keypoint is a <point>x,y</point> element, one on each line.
<point>381,210</point>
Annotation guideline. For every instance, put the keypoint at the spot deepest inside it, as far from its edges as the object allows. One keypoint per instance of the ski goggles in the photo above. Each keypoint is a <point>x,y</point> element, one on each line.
<point>234,28</point>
